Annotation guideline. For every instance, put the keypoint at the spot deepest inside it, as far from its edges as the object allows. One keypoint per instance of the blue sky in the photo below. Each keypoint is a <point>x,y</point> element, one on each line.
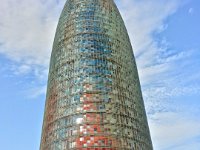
<point>166,43</point>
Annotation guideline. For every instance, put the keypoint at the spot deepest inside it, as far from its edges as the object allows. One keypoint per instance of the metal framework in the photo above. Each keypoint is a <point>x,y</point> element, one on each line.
<point>94,99</point>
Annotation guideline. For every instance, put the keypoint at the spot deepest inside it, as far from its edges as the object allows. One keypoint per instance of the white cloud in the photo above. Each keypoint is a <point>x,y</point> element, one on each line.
<point>191,11</point>
<point>23,69</point>
<point>36,91</point>
<point>161,69</point>
<point>143,19</point>
<point>172,130</point>
<point>27,29</point>
<point>194,145</point>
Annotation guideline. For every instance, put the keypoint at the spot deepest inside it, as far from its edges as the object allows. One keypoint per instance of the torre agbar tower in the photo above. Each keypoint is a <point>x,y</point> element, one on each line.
<point>94,99</point>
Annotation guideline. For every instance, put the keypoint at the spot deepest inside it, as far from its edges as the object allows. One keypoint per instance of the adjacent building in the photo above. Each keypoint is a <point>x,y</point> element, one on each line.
<point>94,99</point>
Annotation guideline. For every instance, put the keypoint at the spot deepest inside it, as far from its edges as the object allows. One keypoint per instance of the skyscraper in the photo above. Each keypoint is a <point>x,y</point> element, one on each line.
<point>94,99</point>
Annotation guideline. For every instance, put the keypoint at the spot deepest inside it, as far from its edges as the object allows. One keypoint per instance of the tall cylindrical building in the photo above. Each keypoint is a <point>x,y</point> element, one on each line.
<point>94,99</point>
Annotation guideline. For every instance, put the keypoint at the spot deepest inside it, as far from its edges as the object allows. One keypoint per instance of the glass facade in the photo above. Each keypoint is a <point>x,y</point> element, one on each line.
<point>94,99</point>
